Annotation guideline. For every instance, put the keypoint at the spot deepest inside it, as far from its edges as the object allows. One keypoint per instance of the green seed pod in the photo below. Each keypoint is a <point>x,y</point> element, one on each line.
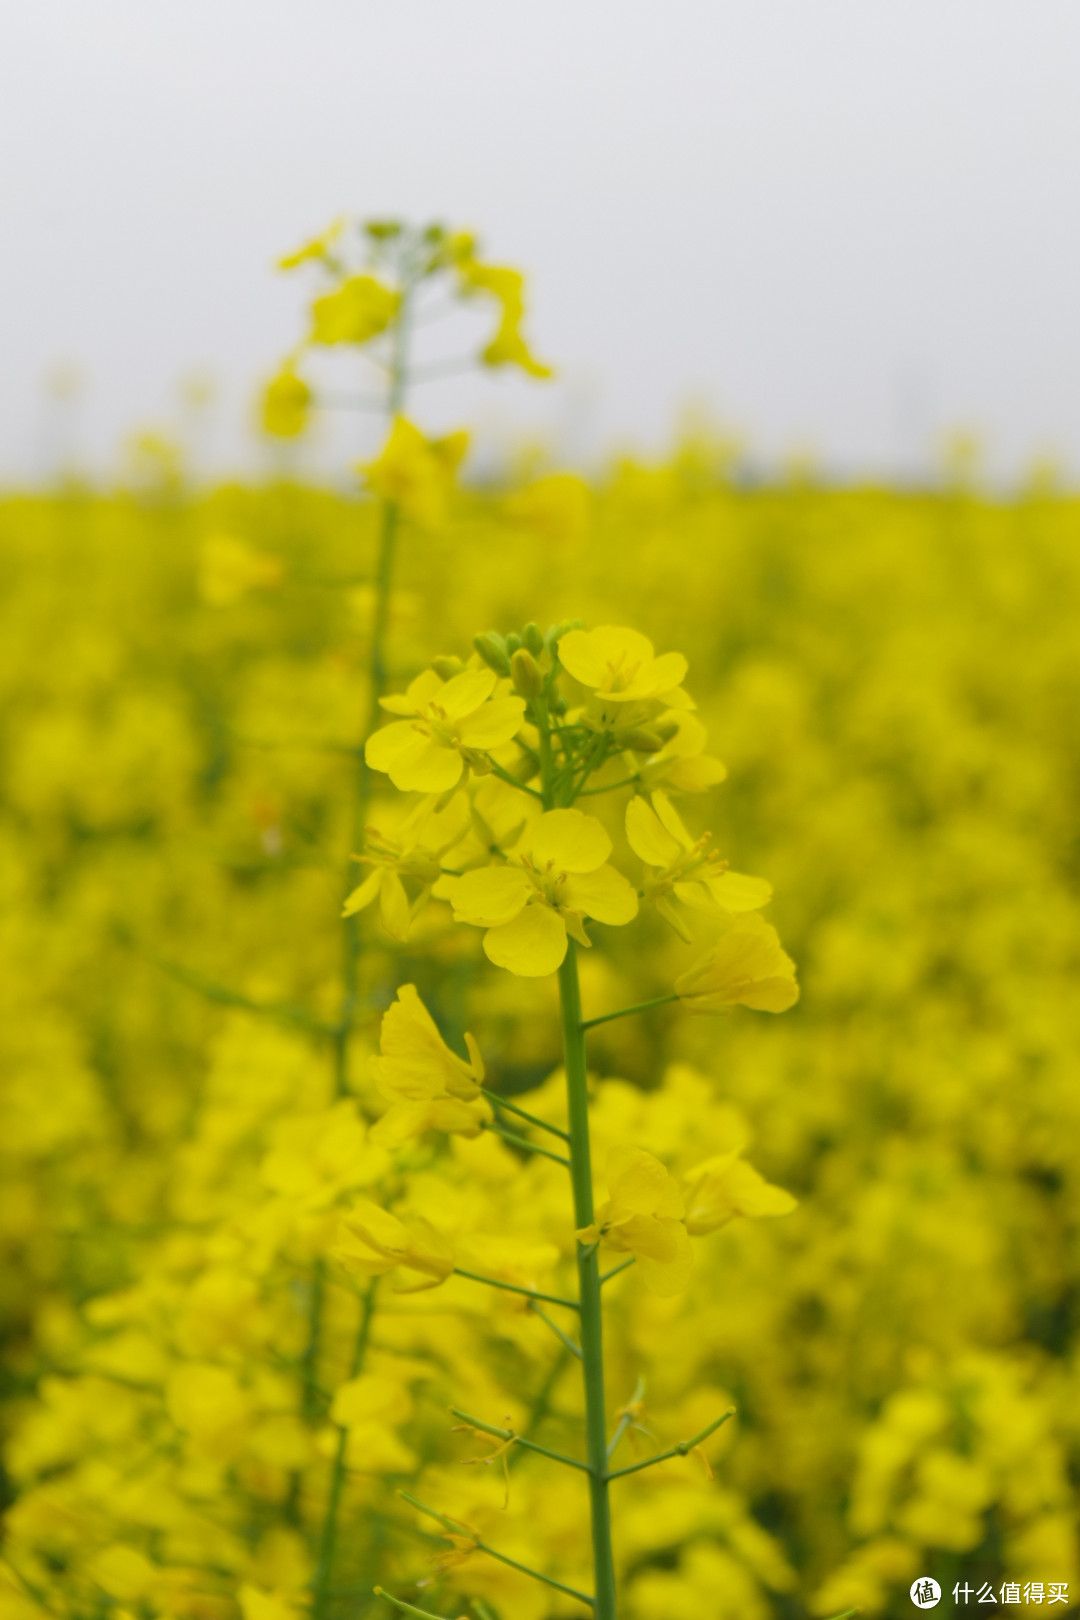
<point>492,649</point>
<point>526,672</point>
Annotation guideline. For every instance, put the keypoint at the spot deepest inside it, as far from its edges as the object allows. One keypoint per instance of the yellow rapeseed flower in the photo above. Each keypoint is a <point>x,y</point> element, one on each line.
<point>372,1242</point>
<point>684,869</point>
<point>415,853</point>
<point>557,876</point>
<point>747,967</point>
<point>416,473</point>
<point>643,1215</point>
<point>317,249</point>
<point>286,405</point>
<point>355,312</point>
<point>428,1085</point>
<point>450,723</point>
<point>620,665</point>
<point>725,1186</point>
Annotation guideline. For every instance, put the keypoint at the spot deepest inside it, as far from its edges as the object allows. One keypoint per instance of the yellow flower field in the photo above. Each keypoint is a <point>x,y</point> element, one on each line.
<point>255,1157</point>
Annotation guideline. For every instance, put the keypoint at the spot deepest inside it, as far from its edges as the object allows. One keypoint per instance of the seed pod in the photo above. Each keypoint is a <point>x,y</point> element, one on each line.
<point>526,672</point>
<point>492,649</point>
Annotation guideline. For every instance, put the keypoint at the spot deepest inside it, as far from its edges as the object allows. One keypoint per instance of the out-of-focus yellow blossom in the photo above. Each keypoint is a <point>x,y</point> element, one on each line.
<point>620,665</point>
<point>210,1404</point>
<point>317,249</point>
<point>557,876</point>
<point>415,472</point>
<point>428,1085</point>
<point>452,723</point>
<point>317,1157</point>
<point>747,967</point>
<point>508,346</point>
<point>644,1215</point>
<point>355,312</point>
<point>416,852</point>
<point>286,404</point>
<point>229,568</point>
<point>371,1408</point>
<point>372,1242</point>
<point>726,1186</point>
<point>679,867</point>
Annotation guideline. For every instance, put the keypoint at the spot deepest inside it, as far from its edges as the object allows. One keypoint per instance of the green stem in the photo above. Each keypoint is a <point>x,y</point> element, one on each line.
<point>406,1608</point>
<point>513,1288</point>
<point>518,1439</point>
<point>624,1012</point>
<point>457,1526</point>
<point>541,1124</point>
<point>589,1303</point>
<point>614,1272</point>
<point>328,1539</point>
<point>512,781</point>
<point>681,1450</point>
<point>564,1338</point>
<point>524,1143</point>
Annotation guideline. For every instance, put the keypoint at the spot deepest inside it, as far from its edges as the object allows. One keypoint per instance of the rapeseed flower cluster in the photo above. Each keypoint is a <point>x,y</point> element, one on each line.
<point>255,1160</point>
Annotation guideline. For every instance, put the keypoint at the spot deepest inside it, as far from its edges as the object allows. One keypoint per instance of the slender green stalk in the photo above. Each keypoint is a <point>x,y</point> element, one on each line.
<point>513,1288</point>
<point>624,1012</point>
<point>518,1439</point>
<point>614,1272</point>
<point>457,1528</point>
<point>524,1143</point>
<point>541,1124</point>
<point>406,1608</point>
<point>324,1568</point>
<point>589,1303</point>
<point>564,1338</point>
<point>680,1450</point>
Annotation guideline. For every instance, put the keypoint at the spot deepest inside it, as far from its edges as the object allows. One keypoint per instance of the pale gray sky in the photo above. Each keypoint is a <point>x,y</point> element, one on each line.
<point>845,224</point>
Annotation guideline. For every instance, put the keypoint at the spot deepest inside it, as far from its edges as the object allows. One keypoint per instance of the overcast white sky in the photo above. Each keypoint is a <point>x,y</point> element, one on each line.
<point>844,224</point>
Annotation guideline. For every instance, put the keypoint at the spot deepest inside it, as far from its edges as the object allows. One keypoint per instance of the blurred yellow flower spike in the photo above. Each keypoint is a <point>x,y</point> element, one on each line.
<point>681,868</point>
<point>416,473</point>
<point>317,249</point>
<point>451,723</point>
<point>726,1186</point>
<point>557,876</point>
<point>508,347</point>
<point>746,967</point>
<point>286,405</point>
<point>619,665</point>
<point>372,1242</point>
<point>415,853</point>
<point>355,312</point>
<point>210,1404</point>
<point>229,569</point>
<point>643,1215</point>
<point>429,1087</point>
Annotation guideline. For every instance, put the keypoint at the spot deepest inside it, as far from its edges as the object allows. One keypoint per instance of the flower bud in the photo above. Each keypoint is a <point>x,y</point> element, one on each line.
<point>492,649</point>
<point>526,672</point>
<point>641,741</point>
<point>513,642</point>
<point>447,666</point>
<point>533,637</point>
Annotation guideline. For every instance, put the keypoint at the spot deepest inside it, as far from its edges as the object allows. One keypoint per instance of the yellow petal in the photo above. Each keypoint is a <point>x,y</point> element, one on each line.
<point>736,891</point>
<point>493,723</point>
<point>604,894</point>
<point>640,1184</point>
<point>667,1277</point>
<point>568,840</point>
<point>394,907</point>
<point>488,897</point>
<point>532,945</point>
<point>465,692</point>
<point>365,894</point>
<point>419,692</point>
<point>414,760</point>
<point>671,819</point>
<point>647,836</point>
